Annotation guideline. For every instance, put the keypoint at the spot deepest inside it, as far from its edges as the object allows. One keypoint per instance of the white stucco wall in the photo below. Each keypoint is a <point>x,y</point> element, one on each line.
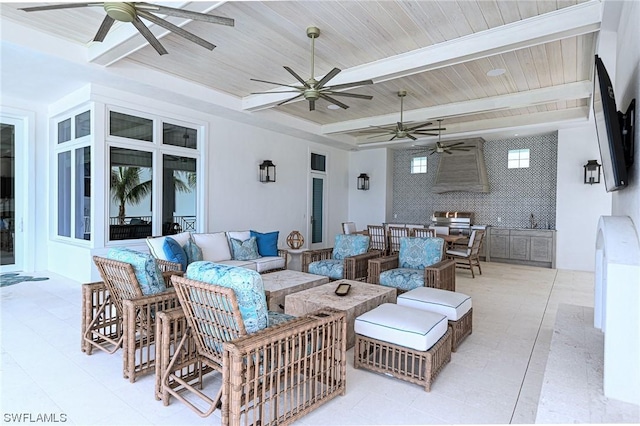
<point>626,81</point>
<point>369,207</point>
<point>578,206</point>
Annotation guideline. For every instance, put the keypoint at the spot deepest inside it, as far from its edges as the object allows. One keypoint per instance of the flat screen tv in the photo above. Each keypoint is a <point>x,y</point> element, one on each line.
<point>615,130</point>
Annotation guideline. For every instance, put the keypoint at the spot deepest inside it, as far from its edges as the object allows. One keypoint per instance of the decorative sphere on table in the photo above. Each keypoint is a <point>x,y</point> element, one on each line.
<point>295,240</point>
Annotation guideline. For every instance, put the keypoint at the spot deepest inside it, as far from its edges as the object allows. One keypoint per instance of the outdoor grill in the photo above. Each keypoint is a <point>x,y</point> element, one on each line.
<point>457,222</point>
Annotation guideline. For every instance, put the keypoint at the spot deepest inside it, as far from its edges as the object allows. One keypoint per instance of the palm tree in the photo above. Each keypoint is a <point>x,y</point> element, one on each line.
<point>127,188</point>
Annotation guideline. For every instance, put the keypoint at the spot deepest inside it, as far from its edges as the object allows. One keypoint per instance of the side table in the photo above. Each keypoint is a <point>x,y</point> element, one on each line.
<point>295,259</point>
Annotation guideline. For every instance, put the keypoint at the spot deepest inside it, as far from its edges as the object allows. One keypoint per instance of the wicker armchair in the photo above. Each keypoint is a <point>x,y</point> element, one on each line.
<point>275,375</point>
<point>348,259</point>
<point>438,274</point>
<point>115,313</point>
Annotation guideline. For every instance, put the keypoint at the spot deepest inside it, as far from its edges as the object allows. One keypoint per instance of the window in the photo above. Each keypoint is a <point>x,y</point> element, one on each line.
<point>179,136</point>
<point>419,165</point>
<point>153,185</point>
<point>518,158</point>
<point>318,162</point>
<point>74,177</point>
<point>130,126</point>
<point>131,180</point>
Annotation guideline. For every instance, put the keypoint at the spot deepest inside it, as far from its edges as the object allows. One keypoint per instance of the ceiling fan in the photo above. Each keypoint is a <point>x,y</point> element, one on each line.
<point>312,89</point>
<point>133,11</point>
<point>440,147</point>
<point>400,130</point>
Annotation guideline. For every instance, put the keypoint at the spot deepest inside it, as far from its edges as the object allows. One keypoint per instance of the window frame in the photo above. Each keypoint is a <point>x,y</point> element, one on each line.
<point>158,149</point>
<point>519,162</point>
<point>419,167</point>
<point>72,146</point>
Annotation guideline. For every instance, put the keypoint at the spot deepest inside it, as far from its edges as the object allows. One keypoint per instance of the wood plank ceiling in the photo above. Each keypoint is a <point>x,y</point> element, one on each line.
<point>438,51</point>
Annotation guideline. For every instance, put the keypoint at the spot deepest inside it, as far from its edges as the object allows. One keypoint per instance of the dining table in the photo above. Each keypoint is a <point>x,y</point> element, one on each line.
<point>451,239</point>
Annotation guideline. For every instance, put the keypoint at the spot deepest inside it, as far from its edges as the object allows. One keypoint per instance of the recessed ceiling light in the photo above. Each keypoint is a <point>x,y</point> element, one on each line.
<point>496,72</point>
<point>515,134</point>
<point>332,106</point>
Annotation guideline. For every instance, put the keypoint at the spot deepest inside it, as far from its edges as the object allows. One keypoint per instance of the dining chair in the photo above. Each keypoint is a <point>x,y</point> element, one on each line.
<point>423,232</point>
<point>379,240</point>
<point>395,233</point>
<point>349,228</point>
<point>469,257</point>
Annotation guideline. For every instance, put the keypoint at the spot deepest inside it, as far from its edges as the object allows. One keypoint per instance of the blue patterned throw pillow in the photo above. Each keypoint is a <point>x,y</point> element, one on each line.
<point>192,251</point>
<point>174,252</point>
<point>244,250</point>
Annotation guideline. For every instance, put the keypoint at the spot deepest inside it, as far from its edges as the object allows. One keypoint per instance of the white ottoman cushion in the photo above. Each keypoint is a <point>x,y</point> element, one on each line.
<point>402,325</point>
<point>451,304</point>
<point>268,263</point>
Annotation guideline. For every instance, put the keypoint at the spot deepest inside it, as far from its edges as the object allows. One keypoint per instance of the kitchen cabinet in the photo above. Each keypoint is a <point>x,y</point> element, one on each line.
<point>534,247</point>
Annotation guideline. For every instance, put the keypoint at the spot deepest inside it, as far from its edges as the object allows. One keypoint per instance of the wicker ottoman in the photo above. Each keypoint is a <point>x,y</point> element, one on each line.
<point>455,306</point>
<point>407,343</point>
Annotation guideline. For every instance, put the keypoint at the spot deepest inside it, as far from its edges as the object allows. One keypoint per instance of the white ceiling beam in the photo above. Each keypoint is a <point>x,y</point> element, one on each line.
<point>572,21</point>
<point>123,38</point>
<point>570,91</point>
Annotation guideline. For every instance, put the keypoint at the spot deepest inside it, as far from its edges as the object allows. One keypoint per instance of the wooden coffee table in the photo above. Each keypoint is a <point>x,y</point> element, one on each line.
<point>280,283</point>
<point>362,298</point>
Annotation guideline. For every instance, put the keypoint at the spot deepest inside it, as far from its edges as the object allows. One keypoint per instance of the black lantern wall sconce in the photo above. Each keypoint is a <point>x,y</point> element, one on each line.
<point>592,172</point>
<point>363,182</point>
<point>267,171</point>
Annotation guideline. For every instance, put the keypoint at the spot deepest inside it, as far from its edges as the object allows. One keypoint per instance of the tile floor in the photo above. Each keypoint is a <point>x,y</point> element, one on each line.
<point>495,377</point>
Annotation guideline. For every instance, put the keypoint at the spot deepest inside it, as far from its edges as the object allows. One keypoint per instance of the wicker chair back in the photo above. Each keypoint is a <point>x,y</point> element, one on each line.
<point>378,238</point>
<point>423,232</point>
<point>395,233</point>
<point>213,314</point>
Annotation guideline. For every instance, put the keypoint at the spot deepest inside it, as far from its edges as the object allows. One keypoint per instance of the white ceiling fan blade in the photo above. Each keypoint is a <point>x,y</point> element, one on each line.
<point>104,28</point>
<point>181,13</point>
<point>147,34</point>
<point>176,29</point>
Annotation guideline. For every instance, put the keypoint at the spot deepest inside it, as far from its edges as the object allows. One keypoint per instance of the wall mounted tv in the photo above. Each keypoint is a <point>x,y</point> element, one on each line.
<point>615,130</point>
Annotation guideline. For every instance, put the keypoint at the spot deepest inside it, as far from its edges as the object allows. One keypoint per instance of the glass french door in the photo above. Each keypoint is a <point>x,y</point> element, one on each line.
<point>12,133</point>
<point>317,211</point>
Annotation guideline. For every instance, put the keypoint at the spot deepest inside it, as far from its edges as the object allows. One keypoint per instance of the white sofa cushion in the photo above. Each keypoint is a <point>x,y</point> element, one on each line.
<point>214,246</point>
<point>247,264</point>
<point>451,304</point>
<point>156,244</point>
<point>268,263</point>
<point>402,325</point>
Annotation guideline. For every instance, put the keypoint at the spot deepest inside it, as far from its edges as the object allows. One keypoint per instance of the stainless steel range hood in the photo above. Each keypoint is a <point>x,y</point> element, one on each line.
<point>463,170</point>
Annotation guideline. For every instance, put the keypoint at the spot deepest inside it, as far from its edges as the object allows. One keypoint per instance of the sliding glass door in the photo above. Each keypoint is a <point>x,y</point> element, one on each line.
<point>12,133</point>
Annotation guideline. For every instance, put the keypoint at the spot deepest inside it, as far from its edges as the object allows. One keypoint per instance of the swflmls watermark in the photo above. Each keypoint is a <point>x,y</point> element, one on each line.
<point>27,417</point>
